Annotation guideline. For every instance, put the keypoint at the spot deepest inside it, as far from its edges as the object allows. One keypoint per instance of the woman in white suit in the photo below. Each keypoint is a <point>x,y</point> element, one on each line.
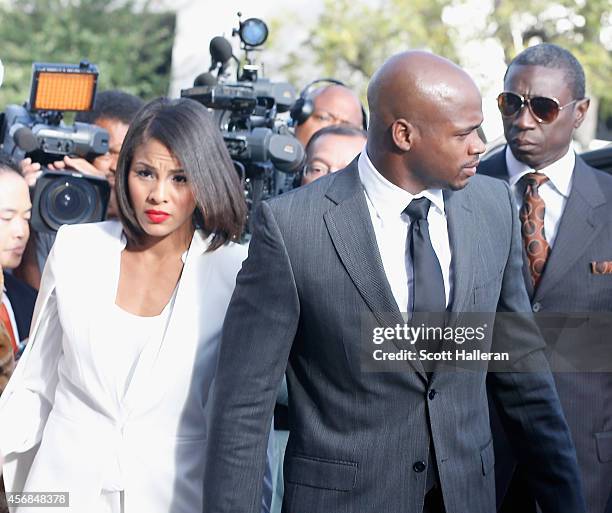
<point>109,400</point>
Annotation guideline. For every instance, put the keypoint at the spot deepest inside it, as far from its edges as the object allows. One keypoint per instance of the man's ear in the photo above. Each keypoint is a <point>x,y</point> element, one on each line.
<point>403,134</point>
<point>582,106</point>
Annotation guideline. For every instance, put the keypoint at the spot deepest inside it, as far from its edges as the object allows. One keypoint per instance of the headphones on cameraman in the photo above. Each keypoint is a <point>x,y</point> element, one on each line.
<point>303,107</point>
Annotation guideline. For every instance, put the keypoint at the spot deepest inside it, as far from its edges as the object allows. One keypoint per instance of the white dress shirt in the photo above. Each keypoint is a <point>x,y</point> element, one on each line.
<point>554,192</point>
<point>386,203</point>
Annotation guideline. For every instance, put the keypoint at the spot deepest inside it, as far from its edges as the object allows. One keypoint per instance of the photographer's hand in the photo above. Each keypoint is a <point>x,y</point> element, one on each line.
<point>78,164</point>
<point>30,171</point>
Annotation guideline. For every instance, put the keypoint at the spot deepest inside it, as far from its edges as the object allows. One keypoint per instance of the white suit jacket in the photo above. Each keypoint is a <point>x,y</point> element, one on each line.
<point>157,438</point>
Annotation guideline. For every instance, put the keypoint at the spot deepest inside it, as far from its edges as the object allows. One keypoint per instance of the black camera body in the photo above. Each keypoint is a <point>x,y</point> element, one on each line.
<point>29,134</point>
<point>36,130</point>
<point>246,112</point>
<point>258,140</point>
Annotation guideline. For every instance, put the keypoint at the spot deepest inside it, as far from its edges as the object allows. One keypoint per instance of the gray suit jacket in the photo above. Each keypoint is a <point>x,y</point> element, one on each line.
<point>359,440</point>
<point>584,235</point>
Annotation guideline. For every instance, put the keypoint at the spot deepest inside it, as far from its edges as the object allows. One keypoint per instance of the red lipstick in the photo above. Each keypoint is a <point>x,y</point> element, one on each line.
<point>157,216</point>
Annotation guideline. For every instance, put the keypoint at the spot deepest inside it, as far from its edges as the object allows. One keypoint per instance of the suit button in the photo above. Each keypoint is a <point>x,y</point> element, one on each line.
<point>419,466</point>
<point>432,393</point>
<point>536,307</point>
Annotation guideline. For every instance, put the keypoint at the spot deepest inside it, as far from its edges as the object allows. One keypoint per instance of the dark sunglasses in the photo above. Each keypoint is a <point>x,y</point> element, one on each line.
<point>544,110</point>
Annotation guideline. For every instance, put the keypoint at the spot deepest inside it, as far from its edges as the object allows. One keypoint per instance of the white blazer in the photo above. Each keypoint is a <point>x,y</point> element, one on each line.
<point>56,405</point>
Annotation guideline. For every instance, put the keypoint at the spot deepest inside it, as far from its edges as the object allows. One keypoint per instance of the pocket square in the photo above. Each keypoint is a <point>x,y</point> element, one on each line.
<point>604,267</point>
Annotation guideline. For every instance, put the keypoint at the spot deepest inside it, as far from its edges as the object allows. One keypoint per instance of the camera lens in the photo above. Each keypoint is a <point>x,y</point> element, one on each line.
<point>67,200</point>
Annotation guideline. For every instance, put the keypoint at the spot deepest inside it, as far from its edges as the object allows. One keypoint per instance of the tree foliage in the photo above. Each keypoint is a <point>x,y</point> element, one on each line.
<point>352,38</point>
<point>574,24</point>
<point>130,44</point>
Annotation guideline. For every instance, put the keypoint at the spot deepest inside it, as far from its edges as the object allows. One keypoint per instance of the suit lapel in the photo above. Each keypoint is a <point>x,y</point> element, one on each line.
<point>577,228</point>
<point>44,295</point>
<point>351,231</point>
<point>461,226</point>
<point>495,167</point>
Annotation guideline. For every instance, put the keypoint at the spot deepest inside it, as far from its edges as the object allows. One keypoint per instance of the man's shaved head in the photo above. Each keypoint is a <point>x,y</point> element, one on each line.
<point>416,85</point>
<point>345,99</point>
<point>415,98</point>
<point>333,104</point>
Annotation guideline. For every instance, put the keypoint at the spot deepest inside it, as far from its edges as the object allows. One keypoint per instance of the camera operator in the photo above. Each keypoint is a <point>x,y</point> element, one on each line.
<point>113,110</point>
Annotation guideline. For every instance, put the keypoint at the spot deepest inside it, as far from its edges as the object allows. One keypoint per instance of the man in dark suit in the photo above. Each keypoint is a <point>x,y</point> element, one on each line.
<point>566,245</point>
<point>18,298</point>
<point>406,227</point>
<point>15,208</point>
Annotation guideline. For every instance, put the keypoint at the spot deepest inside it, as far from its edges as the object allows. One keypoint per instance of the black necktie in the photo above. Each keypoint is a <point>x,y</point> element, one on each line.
<point>427,292</point>
<point>428,284</point>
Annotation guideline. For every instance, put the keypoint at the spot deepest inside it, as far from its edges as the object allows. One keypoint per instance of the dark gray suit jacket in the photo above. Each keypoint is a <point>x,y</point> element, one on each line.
<point>22,298</point>
<point>584,235</point>
<point>359,440</point>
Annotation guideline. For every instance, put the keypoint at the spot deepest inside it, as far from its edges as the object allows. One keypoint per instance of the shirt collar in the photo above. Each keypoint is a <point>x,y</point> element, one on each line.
<point>388,199</point>
<point>559,172</point>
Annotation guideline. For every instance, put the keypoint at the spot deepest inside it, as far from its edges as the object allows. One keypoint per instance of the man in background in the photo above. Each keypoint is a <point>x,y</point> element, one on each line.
<point>565,207</point>
<point>332,105</point>
<point>330,149</point>
<point>17,298</point>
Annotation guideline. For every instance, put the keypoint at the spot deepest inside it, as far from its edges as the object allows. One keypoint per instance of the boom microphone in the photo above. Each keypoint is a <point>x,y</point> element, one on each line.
<point>24,138</point>
<point>220,50</point>
<point>205,79</point>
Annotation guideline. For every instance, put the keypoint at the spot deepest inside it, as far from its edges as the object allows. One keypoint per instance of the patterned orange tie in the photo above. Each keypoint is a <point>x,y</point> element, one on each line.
<point>532,220</point>
<point>6,322</point>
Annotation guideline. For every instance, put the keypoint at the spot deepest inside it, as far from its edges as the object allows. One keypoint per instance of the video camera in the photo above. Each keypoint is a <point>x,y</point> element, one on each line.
<point>36,130</point>
<point>247,111</point>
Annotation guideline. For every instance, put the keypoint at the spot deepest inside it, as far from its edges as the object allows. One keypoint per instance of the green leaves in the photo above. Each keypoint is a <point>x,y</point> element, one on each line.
<point>351,38</point>
<point>131,46</point>
<point>573,24</point>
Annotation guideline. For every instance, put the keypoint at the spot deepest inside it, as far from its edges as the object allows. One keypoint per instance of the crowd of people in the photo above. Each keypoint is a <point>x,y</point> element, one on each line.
<point>147,363</point>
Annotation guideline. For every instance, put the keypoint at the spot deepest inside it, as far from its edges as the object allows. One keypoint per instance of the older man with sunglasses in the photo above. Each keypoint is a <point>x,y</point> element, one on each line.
<point>565,208</point>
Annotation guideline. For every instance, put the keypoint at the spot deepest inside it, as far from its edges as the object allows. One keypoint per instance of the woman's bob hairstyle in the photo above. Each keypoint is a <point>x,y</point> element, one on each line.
<point>189,132</point>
